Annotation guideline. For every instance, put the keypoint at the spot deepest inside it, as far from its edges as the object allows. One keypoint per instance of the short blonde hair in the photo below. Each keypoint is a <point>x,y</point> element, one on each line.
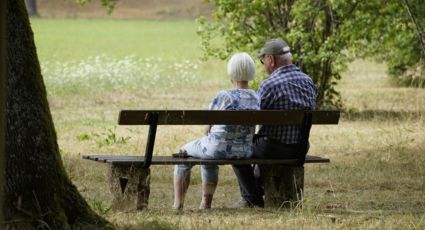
<point>241,67</point>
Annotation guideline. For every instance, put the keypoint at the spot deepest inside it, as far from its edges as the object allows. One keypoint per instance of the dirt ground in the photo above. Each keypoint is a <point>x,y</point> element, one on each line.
<point>125,9</point>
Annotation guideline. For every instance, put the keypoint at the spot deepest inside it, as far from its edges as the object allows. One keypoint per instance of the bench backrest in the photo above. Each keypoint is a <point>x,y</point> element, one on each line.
<point>246,117</point>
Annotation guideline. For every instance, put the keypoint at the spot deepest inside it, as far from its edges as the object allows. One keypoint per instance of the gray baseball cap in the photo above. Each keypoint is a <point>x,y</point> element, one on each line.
<point>274,46</point>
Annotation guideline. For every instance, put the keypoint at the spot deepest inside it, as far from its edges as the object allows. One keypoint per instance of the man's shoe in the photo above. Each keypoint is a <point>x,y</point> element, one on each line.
<point>242,203</point>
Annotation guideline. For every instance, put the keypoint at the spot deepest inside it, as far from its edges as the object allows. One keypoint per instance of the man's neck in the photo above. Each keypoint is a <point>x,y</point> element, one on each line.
<point>283,63</point>
<point>281,66</point>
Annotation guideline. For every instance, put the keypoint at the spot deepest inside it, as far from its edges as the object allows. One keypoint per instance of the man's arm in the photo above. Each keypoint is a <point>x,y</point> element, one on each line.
<point>266,96</point>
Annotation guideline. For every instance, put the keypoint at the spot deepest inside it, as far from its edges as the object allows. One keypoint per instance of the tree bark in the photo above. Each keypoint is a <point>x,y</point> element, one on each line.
<point>38,192</point>
<point>31,7</point>
<point>2,103</point>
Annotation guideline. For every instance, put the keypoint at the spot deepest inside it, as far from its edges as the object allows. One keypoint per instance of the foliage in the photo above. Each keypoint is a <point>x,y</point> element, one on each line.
<point>311,30</point>
<point>393,32</point>
<point>99,207</point>
<point>320,33</point>
<point>106,138</point>
<point>109,4</point>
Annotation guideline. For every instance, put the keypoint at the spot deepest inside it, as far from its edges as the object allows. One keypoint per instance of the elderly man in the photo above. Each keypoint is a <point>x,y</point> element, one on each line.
<point>286,88</point>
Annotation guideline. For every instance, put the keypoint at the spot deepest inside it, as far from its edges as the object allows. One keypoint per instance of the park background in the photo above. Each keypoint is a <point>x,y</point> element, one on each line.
<point>147,55</point>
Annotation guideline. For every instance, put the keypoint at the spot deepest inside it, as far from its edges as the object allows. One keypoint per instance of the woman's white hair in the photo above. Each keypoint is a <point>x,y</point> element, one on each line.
<point>241,67</point>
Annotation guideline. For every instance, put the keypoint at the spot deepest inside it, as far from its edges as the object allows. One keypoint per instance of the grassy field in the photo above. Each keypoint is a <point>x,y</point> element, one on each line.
<point>93,68</point>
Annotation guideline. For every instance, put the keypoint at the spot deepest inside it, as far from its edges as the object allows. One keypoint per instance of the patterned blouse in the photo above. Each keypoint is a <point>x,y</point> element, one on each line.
<point>231,141</point>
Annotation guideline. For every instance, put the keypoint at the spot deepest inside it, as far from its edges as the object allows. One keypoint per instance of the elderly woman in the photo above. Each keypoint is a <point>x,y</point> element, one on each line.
<point>221,141</point>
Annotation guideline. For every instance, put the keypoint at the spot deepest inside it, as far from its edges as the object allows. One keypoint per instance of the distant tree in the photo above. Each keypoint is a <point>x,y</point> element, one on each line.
<point>393,32</point>
<point>322,34</point>
<point>313,30</point>
<point>31,7</point>
<point>38,193</point>
<point>109,4</point>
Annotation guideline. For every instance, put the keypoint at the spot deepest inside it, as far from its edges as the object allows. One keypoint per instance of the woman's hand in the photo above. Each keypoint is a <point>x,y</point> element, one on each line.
<point>207,129</point>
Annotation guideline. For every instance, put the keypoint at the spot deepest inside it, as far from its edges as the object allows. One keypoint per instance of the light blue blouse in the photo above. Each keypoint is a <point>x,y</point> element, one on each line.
<point>231,141</point>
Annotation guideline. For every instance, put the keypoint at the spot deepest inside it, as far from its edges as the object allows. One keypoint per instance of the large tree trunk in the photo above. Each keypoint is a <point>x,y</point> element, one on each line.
<point>2,102</point>
<point>31,7</point>
<point>38,193</point>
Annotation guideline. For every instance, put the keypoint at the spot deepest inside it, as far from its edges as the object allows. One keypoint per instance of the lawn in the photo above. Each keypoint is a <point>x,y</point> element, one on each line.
<point>94,68</point>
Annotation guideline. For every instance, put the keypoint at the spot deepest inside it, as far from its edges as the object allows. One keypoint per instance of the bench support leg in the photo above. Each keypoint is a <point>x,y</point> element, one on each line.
<point>130,187</point>
<point>283,185</point>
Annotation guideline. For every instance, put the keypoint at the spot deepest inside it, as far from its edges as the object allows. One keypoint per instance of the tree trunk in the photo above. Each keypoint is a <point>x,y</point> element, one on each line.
<point>38,193</point>
<point>31,7</point>
<point>2,103</point>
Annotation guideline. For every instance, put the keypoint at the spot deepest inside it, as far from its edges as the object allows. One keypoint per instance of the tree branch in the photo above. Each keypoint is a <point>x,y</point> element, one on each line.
<point>418,28</point>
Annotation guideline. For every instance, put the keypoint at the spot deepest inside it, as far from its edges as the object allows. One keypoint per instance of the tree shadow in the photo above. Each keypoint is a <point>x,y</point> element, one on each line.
<point>354,115</point>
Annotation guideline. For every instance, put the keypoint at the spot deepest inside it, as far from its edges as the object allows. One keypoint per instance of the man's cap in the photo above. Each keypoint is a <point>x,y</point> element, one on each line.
<point>275,46</point>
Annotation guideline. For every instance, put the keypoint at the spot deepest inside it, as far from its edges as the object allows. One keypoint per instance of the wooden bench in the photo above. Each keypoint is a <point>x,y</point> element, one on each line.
<point>129,176</point>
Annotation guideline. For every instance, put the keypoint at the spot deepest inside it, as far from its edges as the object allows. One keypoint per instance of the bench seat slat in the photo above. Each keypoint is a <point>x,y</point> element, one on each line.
<point>169,160</point>
<point>247,117</point>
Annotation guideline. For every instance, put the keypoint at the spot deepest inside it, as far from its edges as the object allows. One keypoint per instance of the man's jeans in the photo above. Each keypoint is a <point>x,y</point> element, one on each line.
<point>249,177</point>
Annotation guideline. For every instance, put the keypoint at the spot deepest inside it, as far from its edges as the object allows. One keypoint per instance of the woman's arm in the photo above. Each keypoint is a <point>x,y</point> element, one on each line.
<point>219,102</point>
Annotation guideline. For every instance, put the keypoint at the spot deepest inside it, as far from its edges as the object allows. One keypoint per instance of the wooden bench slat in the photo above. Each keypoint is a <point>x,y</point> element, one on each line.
<point>169,160</point>
<point>247,117</point>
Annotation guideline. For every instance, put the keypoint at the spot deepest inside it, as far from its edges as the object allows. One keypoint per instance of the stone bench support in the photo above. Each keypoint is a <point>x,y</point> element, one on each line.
<point>130,187</point>
<point>283,186</point>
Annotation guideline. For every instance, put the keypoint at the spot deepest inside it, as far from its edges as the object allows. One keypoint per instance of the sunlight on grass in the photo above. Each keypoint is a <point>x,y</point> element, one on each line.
<point>365,86</point>
<point>129,73</point>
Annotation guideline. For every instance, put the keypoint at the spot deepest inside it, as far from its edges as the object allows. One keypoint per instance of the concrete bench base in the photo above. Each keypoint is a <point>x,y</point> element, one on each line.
<point>283,185</point>
<point>130,186</point>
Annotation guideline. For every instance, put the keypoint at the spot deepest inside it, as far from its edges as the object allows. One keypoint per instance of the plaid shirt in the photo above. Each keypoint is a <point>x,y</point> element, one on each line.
<point>287,88</point>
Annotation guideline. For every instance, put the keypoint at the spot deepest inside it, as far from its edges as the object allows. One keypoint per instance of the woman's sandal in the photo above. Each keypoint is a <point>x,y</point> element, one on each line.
<point>181,154</point>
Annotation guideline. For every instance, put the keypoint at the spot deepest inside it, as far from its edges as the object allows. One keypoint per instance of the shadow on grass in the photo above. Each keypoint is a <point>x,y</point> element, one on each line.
<point>354,115</point>
<point>156,225</point>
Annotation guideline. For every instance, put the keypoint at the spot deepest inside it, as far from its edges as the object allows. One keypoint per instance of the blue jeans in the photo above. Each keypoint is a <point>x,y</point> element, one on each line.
<point>209,173</point>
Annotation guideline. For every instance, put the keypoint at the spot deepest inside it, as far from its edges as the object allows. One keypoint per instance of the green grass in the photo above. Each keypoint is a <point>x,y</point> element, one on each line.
<point>75,39</point>
<point>376,178</point>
